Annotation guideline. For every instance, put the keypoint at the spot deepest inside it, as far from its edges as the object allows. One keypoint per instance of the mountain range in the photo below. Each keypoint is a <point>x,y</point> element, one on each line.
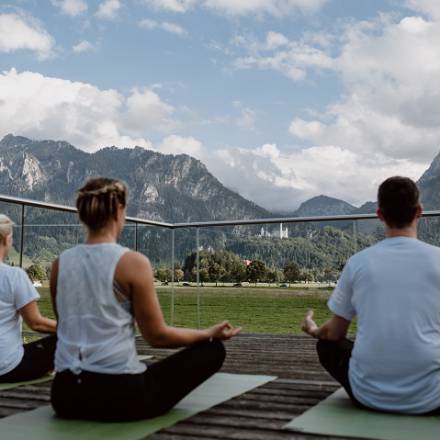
<point>173,188</point>
<point>162,187</point>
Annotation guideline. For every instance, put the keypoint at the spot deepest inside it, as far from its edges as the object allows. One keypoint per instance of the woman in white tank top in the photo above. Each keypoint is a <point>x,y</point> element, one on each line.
<point>99,291</point>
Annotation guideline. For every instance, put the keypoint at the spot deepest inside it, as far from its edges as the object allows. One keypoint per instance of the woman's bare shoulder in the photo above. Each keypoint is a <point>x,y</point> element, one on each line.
<point>133,263</point>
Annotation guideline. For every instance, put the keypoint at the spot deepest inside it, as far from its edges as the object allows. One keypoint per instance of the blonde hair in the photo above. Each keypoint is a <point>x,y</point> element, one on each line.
<point>5,227</point>
<point>98,200</point>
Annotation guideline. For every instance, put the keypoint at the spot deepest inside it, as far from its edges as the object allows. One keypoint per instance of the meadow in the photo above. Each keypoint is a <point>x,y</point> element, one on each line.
<point>256,309</point>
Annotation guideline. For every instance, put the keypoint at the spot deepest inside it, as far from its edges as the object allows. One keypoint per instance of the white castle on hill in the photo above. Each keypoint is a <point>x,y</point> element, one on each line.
<point>283,233</point>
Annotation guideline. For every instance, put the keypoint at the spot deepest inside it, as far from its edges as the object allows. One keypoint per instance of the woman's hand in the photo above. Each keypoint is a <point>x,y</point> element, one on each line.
<point>309,325</point>
<point>223,331</point>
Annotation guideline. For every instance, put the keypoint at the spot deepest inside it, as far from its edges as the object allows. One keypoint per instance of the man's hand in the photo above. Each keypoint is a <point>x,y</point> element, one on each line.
<point>309,325</point>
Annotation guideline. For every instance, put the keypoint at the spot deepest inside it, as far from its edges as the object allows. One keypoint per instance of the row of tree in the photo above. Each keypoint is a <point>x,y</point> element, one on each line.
<point>221,267</point>
<point>224,266</point>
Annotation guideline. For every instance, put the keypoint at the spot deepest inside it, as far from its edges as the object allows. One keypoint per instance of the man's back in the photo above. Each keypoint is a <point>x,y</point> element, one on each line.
<point>394,290</point>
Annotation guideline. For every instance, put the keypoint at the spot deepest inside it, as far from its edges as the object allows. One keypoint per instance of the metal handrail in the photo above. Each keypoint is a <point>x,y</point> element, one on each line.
<point>219,223</point>
<point>71,209</point>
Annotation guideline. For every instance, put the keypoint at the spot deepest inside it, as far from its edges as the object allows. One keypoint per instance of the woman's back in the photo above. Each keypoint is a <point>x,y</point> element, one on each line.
<point>96,346</point>
<point>95,332</point>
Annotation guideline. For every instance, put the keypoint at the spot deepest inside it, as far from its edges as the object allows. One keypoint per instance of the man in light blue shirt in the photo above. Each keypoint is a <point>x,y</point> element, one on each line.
<point>393,288</point>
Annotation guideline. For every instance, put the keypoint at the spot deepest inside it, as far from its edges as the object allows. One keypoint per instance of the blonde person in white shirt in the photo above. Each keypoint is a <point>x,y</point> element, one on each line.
<point>18,302</point>
<point>100,290</point>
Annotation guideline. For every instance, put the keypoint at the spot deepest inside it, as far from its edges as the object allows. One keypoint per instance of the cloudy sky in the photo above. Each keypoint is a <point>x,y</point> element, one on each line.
<point>281,99</point>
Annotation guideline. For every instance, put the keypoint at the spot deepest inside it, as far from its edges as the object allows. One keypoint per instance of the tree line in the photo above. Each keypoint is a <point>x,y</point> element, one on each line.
<point>227,267</point>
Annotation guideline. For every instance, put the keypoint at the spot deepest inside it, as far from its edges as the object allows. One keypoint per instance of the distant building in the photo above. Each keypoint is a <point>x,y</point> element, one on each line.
<point>264,233</point>
<point>284,233</point>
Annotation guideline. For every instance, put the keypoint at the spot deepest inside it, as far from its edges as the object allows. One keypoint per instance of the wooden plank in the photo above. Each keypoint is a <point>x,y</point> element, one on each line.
<point>257,415</point>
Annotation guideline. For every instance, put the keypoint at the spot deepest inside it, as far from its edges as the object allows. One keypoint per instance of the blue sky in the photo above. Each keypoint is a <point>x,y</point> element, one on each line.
<point>281,99</point>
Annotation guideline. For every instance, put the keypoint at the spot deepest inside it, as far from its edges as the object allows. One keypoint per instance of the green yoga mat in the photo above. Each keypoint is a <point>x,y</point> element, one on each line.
<point>8,386</point>
<point>48,377</point>
<point>337,416</point>
<point>41,424</point>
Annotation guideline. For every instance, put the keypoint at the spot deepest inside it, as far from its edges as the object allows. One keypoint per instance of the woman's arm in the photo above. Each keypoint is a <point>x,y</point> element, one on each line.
<point>33,318</point>
<point>135,273</point>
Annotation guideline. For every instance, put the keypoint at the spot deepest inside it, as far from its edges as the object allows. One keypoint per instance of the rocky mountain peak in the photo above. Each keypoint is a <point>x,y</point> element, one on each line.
<point>324,205</point>
<point>12,141</point>
<point>432,172</point>
<point>161,187</point>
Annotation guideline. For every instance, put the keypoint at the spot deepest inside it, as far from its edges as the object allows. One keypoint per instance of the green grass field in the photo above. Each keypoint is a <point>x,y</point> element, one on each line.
<point>260,310</point>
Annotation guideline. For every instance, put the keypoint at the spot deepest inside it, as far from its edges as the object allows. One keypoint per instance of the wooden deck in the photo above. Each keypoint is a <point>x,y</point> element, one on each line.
<point>257,415</point>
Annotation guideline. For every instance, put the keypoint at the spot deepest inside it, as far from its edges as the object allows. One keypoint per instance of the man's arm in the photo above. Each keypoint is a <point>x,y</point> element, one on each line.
<point>334,329</point>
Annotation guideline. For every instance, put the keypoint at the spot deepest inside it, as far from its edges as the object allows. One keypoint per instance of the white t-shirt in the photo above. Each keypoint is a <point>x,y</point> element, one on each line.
<point>393,288</point>
<point>16,291</point>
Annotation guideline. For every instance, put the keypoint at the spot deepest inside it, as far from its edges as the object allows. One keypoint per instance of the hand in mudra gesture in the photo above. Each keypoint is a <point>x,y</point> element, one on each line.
<point>309,325</point>
<point>223,331</point>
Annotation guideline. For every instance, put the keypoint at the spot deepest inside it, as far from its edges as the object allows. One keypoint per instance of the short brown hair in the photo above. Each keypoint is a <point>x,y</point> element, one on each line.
<point>97,201</point>
<point>398,198</point>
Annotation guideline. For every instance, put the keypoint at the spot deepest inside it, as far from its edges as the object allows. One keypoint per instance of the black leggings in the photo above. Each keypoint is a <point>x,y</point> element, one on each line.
<point>125,397</point>
<point>37,361</point>
<point>335,358</point>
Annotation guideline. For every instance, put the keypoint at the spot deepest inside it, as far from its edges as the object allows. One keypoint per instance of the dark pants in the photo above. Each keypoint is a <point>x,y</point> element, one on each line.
<point>37,361</point>
<point>124,397</point>
<point>335,358</point>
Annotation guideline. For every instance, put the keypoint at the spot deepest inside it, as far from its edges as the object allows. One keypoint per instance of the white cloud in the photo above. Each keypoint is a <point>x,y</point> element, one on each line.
<point>37,106</point>
<point>243,7</point>
<point>430,7</point>
<point>108,9</point>
<point>181,6</point>
<point>171,28</point>
<point>290,58</point>
<point>275,39</point>
<point>273,7</point>
<point>83,46</point>
<point>71,7</point>
<point>247,118</point>
<point>282,180</point>
<point>146,111</point>
<point>390,72</point>
<point>182,145</point>
<point>19,31</point>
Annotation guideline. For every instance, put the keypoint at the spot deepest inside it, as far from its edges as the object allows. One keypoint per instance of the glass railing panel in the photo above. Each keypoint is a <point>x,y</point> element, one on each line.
<point>47,234</point>
<point>221,272</point>
<point>187,310</point>
<point>265,277</point>
<point>428,230</point>
<point>127,237</point>
<point>156,244</point>
<point>262,277</point>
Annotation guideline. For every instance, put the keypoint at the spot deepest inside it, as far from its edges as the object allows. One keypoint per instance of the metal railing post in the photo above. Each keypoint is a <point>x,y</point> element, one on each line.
<point>172,276</point>
<point>136,236</point>
<point>198,274</point>
<point>22,235</point>
<point>355,230</point>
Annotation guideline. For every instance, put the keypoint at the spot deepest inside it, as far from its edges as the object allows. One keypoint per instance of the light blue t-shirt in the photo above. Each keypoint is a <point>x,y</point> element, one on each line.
<point>16,291</point>
<point>393,288</point>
